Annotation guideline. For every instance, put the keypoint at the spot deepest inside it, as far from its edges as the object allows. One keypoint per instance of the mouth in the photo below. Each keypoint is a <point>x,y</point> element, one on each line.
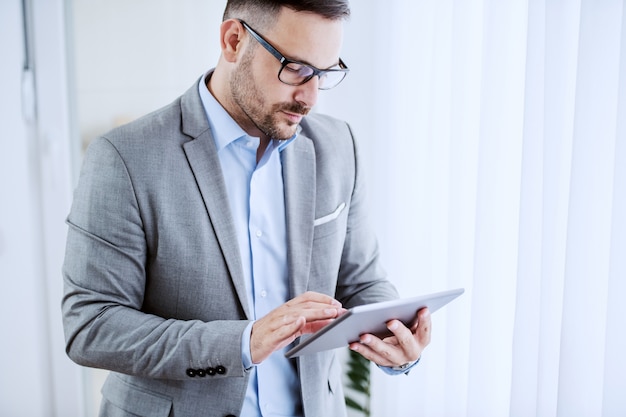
<point>294,118</point>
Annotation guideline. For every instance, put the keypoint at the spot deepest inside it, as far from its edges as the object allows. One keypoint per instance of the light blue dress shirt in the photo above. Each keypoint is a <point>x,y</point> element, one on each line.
<point>256,198</point>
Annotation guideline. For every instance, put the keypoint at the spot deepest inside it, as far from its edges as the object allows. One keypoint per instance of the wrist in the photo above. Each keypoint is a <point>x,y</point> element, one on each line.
<point>406,366</point>
<point>246,355</point>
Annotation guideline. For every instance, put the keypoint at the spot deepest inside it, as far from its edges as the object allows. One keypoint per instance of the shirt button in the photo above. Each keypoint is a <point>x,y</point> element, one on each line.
<point>259,233</point>
<point>263,293</point>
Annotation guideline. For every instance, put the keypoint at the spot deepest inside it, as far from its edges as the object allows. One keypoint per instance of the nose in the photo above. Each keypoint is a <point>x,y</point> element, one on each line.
<point>307,92</point>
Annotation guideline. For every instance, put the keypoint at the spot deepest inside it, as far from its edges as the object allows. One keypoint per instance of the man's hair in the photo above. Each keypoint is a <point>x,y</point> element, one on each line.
<point>263,13</point>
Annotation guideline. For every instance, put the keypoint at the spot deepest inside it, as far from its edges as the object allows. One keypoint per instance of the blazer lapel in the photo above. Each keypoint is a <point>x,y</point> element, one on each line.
<point>298,161</point>
<point>202,156</point>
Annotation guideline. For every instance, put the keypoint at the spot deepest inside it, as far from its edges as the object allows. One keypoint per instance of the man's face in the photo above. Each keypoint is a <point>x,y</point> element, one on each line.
<point>265,103</point>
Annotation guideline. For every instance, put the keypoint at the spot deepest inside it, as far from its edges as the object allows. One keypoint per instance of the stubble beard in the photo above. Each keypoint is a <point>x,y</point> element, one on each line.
<point>249,99</point>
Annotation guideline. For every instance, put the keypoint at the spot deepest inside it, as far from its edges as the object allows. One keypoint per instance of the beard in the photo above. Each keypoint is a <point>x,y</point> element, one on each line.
<point>248,97</point>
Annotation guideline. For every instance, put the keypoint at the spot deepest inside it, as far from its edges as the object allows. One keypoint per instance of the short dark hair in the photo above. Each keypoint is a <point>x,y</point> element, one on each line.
<point>263,13</point>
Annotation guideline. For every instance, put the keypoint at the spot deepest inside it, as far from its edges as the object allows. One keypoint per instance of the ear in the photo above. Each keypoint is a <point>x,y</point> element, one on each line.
<point>231,39</point>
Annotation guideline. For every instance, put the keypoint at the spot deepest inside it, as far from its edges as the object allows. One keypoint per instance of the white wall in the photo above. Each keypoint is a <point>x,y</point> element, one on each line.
<point>133,57</point>
<point>37,379</point>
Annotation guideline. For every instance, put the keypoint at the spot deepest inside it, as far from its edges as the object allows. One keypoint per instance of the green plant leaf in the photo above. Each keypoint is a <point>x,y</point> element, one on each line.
<point>355,405</point>
<point>358,375</point>
<point>360,386</point>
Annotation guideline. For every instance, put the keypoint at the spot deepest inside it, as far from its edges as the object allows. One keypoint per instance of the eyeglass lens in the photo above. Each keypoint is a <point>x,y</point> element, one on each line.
<point>296,73</point>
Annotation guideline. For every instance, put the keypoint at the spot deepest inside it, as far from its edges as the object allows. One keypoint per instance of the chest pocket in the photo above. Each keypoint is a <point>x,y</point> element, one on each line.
<point>329,223</point>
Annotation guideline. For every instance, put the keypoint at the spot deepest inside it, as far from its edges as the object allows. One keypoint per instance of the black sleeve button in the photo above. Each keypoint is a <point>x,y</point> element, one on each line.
<point>220,370</point>
<point>190,372</point>
<point>210,371</point>
<point>201,372</point>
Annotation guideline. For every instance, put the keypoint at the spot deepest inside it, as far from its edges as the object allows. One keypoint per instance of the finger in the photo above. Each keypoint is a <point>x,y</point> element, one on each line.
<point>273,330</point>
<point>404,340</point>
<point>281,321</point>
<point>392,340</point>
<point>265,338</point>
<point>290,332</point>
<point>368,349</point>
<point>305,313</point>
<point>314,306</point>
<point>321,312</point>
<point>314,326</point>
<point>398,349</point>
<point>316,297</point>
<point>424,327</point>
<point>312,310</point>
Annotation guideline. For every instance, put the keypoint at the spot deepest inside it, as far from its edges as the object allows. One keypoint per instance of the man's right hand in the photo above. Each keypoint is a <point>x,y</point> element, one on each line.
<point>303,314</point>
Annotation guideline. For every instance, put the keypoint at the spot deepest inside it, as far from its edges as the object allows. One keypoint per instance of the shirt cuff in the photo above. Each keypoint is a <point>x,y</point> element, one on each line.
<point>398,370</point>
<point>246,356</point>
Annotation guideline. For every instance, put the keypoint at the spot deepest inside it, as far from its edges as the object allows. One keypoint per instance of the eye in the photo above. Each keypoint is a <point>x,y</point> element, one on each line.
<point>299,69</point>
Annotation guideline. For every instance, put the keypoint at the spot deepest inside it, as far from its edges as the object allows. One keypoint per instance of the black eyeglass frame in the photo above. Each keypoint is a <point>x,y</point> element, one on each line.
<point>284,61</point>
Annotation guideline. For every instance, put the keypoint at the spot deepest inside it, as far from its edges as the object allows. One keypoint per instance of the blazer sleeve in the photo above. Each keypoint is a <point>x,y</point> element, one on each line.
<point>104,276</point>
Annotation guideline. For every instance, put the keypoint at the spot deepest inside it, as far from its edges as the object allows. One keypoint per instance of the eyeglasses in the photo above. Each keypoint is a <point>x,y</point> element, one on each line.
<point>297,73</point>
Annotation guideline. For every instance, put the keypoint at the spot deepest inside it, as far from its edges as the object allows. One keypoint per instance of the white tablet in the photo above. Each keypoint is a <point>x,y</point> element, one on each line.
<point>370,318</point>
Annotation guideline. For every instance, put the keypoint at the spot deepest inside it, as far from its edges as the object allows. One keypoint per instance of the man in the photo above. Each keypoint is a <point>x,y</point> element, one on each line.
<point>206,237</point>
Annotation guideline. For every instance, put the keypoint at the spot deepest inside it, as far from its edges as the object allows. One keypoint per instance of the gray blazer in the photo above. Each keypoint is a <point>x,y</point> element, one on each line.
<point>154,288</point>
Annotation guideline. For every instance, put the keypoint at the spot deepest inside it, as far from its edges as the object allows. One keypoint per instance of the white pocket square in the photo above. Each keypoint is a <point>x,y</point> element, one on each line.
<point>331,216</point>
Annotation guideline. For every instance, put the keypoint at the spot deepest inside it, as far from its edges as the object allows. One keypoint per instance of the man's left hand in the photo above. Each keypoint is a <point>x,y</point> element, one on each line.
<point>405,346</point>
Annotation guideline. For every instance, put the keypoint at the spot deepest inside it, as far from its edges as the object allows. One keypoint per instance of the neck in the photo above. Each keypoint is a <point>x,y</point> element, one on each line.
<point>216,86</point>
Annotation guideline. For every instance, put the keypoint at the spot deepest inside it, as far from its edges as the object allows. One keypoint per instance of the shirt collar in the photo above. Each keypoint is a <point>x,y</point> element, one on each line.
<point>224,128</point>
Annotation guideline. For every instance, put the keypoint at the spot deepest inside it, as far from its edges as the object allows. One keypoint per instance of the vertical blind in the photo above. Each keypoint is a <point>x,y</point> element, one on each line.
<point>495,134</point>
